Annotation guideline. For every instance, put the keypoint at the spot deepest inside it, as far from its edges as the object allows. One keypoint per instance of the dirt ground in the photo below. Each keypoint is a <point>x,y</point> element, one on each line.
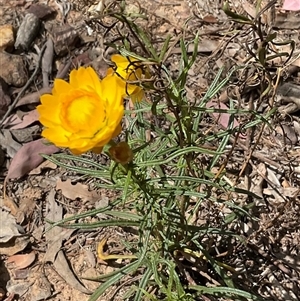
<point>54,262</point>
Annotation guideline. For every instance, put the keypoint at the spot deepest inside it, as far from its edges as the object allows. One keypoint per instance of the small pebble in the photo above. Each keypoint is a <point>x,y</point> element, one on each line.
<point>5,99</point>
<point>12,69</point>
<point>42,11</point>
<point>6,36</point>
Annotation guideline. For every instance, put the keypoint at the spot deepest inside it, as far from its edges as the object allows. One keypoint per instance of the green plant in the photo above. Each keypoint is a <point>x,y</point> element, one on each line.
<point>172,178</point>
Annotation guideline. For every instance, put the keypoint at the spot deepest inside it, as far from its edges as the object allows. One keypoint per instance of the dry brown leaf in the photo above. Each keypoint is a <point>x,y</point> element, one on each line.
<point>56,235</point>
<point>55,245</point>
<point>29,157</point>
<point>10,204</point>
<point>45,165</point>
<point>257,183</point>
<point>42,11</point>
<point>223,119</point>
<point>21,261</point>
<point>55,238</point>
<point>13,246</point>
<point>28,119</point>
<point>7,142</point>
<point>290,192</point>
<point>249,9</point>
<point>78,190</point>
<point>63,269</point>
<point>33,97</point>
<point>210,19</point>
<point>9,227</point>
<point>12,120</point>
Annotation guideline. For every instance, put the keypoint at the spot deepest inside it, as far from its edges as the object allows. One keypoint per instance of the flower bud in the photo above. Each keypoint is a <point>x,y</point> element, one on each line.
<point>121,153</point>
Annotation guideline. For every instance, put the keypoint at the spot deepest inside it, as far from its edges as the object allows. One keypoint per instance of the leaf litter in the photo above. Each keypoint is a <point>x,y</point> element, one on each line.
<point>54,238</point>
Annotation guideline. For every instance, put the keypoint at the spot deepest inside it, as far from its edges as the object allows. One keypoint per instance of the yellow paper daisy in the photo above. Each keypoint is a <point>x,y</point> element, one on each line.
<point>84,114</point>
<point>129,70</point>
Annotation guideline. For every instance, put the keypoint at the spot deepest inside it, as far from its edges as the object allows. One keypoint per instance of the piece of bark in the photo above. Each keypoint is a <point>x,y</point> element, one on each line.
<point>27,31</point>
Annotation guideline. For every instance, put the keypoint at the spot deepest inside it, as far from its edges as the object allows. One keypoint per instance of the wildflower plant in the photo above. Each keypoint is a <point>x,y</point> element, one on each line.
<point>159,175</point>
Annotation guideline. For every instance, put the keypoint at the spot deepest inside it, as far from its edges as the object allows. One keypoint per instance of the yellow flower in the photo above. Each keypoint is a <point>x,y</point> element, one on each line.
<point>84,114</point>
<point>128,69</point>
<point>121,153</point>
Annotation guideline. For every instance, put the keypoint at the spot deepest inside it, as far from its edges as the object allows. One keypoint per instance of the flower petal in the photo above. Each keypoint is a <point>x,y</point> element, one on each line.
<point>113,89</point>
<point>57,135</point>
<point>60,87</point>
<point>86,78</point>
<point>49,110</point>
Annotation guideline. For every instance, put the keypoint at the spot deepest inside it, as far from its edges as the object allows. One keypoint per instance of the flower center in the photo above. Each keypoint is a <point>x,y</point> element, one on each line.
<point>82,113</point>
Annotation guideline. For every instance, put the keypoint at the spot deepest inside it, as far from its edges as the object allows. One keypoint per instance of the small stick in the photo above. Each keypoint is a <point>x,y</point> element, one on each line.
<point>12,106</point>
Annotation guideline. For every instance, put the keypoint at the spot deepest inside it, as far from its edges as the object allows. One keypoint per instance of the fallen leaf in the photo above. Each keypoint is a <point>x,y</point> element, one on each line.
<point>21,261</point>
<point>257,183</point>
<point>285,184</point>
<point>210,19</point>
<point>12,120</point>
<point>9,227</point>
<point>223,118</point>
<point>272,177</point>
<point>11,240</point>
<point>21,274</point>
<point>14,245</point>
<point>78,190</point>
<point>90,257</point>
<point>27,120</point>
<point>26,135</point>
<point>55,236</point>
<point>27,203</point>
<point>290,192</point>
<point>29,157</point>
<point>10,204</point>
<point>249,9</point>
<point>7,142</point>
<point>45,165</point>
<point>63,269</point>
<point>55,244</point>
<point>291,5</point>
<point>103,256</point>
<point>33,97</point>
